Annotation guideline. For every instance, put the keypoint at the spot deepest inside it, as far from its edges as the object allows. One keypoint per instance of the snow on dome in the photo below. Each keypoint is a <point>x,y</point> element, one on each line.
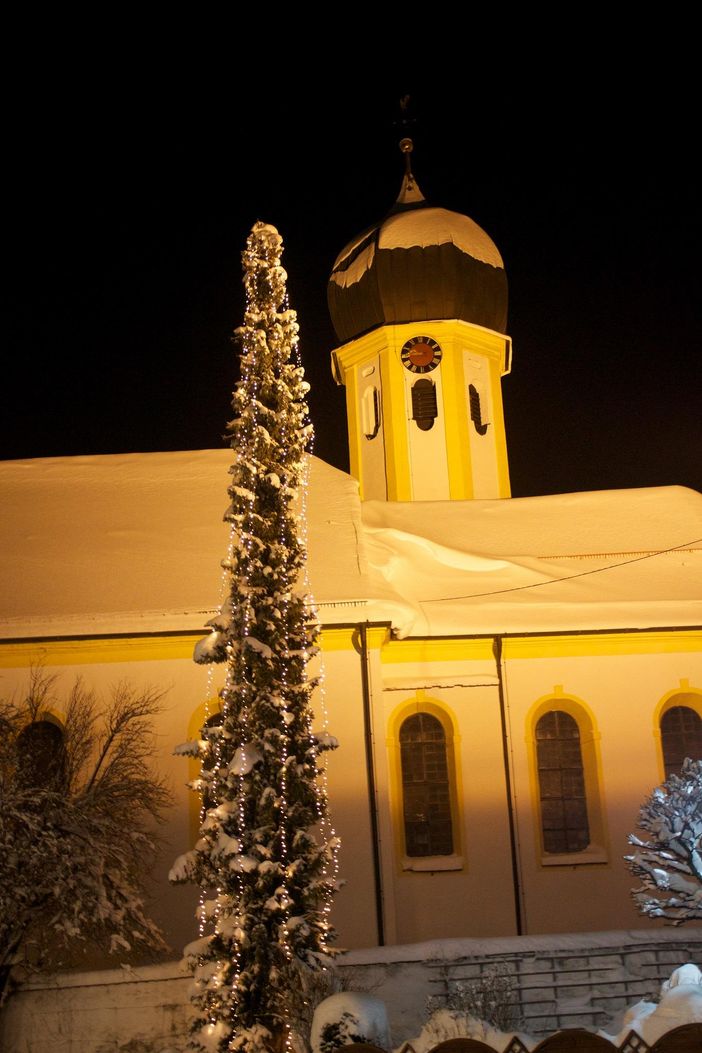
<point>437,226</point>
<point>361,263</point>
<point>419,263</point>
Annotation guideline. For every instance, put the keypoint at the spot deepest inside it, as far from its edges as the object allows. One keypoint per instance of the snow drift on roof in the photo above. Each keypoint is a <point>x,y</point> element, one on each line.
<point>129,541</point>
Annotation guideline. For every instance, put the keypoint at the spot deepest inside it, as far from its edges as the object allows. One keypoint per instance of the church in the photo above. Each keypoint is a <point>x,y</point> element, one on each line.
<point>508,679</point>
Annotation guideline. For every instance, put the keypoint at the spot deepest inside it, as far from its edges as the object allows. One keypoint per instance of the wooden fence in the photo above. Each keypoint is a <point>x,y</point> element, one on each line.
<point>685,1039</point>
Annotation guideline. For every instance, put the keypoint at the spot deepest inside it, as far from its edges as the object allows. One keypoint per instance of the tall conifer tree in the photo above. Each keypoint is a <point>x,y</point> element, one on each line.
<point>267,868</point>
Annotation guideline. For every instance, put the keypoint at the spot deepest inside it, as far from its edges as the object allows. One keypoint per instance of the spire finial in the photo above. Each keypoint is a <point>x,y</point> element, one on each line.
<point>407,146</point>
<point>410,194</point>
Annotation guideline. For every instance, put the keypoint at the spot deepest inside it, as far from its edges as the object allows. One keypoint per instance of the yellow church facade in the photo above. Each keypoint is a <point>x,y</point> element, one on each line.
<point>436,789</point>
<point>508,679</point>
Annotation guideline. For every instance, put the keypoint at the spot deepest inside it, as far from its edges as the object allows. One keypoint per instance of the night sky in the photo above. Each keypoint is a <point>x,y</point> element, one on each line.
<point>124,237</point>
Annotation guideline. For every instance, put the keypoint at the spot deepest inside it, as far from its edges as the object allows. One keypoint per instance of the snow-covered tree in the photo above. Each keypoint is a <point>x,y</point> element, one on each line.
<point>264,851</point>
<point>79,800</point>
<point>670,863</point>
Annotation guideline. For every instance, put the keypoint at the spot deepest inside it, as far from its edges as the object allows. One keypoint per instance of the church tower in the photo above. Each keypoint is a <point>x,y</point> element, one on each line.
<point>419,304</point>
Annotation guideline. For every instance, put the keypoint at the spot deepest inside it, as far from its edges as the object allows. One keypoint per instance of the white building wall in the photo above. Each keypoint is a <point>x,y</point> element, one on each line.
<point>622,693</point>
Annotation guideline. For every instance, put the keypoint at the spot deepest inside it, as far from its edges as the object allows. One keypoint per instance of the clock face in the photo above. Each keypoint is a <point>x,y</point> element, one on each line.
<point>421,354</point>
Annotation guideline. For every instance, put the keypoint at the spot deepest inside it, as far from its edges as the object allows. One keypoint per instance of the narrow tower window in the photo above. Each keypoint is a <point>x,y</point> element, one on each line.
<point>564,818</point>
<point>681,737</point>
<point>370,411</point>
<point>425,787</point>
<point>476,410</point>
<point>424,410</point>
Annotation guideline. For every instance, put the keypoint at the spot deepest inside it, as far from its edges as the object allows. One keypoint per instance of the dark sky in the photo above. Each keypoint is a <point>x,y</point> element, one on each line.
<point>124,234</point>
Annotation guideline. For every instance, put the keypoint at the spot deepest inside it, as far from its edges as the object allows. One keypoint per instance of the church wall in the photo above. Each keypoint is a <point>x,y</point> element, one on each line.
<point>470,892</point>
<point>620,695</point>
<point>354,911</point>
<point>619,682</point>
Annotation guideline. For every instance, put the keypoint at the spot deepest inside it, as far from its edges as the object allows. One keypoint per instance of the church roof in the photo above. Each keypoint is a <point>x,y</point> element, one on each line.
<point>133,542</point>
<point>419,263</point>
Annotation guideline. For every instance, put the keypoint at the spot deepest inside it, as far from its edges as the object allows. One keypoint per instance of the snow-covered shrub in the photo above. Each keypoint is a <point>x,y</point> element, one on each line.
<point>349,1016</point>
<point>446,1024</point>
<point>491,997</point>
<point>670,863</point>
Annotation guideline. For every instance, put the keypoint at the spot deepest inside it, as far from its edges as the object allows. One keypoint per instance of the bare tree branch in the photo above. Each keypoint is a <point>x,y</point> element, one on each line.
<point>77,829</point>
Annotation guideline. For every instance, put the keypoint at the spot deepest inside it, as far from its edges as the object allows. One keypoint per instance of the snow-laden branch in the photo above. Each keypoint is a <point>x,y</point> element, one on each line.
<point>669,863</point>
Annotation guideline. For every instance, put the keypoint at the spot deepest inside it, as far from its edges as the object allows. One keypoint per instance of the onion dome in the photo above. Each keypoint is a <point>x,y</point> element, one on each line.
<point>417,264</point>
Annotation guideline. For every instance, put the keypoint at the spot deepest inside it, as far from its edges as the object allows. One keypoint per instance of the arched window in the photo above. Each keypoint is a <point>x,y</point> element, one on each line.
<point>681,737</point>
<point>41,757</point>
<point>426,795</point>
<point>564,815</point>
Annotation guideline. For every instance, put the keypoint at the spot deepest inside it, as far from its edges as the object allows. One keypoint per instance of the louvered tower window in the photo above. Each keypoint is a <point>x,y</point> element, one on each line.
<point>564,819</point>
<point>476,413</point>
<point>424,408</point>
<point>681,737</point>
<point>425,787</point>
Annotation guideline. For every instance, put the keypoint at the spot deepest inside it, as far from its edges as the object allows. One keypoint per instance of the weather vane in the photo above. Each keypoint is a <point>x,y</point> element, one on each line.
<point>405,122</point>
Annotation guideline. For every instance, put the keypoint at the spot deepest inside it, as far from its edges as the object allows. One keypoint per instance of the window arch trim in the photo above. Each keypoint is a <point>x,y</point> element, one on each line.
<point>682,695</point>
<point>597,850</point>
<point>421,704</point>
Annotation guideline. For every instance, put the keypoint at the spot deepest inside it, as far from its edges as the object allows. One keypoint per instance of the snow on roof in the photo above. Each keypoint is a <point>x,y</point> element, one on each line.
<point>133,542</point>
<point>579,524</point>
<point>568,561</point>
<point>437,226</point>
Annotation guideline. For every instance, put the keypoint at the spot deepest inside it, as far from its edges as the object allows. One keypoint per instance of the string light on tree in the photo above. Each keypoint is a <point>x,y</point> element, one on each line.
<point>269,876</point>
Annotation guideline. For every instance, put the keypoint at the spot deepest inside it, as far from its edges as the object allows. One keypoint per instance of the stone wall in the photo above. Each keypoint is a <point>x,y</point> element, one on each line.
<point>561,982</point>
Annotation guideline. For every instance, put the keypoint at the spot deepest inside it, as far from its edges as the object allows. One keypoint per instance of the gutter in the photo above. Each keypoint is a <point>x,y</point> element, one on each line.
<point>370,774</point>
<point>514,852</point>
